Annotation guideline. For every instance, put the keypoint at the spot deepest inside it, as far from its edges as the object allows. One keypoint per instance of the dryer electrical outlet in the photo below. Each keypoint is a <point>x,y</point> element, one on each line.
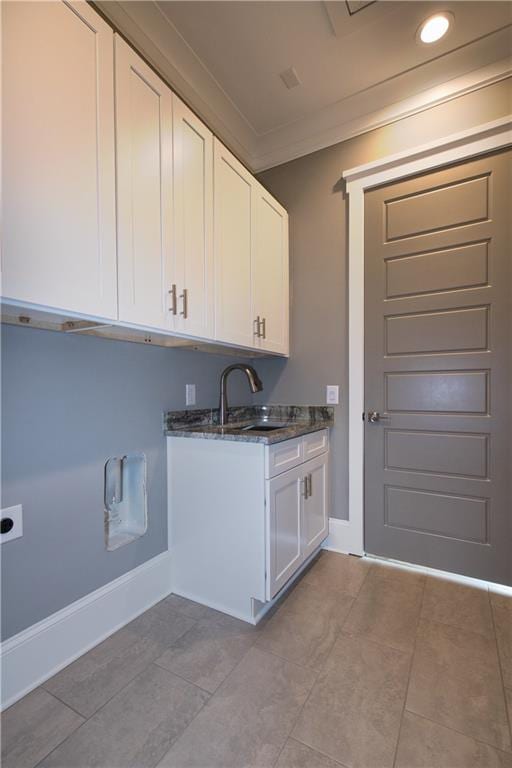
<point>11,523</point>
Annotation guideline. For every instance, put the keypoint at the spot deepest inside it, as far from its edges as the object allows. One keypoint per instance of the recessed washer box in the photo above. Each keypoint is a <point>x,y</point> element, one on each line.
<point>14,514</point>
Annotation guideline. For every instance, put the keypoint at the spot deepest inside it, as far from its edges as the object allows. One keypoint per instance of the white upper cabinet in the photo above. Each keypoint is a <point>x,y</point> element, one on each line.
<point>193,222</point>
<point>144,192</point>
<point>58,181</point>
<point>270,282</point>
<point>251,259</point>
<point>234,213</point>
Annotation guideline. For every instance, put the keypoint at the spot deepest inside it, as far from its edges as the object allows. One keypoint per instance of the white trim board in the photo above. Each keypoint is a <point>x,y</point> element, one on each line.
<point>35,654</point>
<point>453,148</point>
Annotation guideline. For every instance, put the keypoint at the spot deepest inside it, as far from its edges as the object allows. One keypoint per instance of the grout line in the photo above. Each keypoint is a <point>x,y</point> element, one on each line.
<point>459,733</point>
<point>500,665</point>
<point>411,661</point>
<point>50,693</point>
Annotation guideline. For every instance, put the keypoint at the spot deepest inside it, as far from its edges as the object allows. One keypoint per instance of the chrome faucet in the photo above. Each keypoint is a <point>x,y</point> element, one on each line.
<point>254,383</point>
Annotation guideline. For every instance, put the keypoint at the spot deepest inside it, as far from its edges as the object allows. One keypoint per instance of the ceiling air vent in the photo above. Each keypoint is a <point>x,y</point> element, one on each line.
<point>290,78</point>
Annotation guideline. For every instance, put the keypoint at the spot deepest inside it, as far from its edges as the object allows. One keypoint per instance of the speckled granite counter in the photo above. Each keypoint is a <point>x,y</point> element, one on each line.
<point>293,421</point>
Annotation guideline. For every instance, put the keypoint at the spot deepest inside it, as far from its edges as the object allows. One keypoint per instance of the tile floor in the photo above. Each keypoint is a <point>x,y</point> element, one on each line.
<point>361,665</point>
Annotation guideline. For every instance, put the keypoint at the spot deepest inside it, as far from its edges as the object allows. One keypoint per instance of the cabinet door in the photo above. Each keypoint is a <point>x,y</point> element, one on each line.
<point>315,520</point>
<point>284,538</point>
<point>270,273</point>
<point>144,191</point>
<point>193,222</point>
<point>59,246</point>
<point>234,206</point>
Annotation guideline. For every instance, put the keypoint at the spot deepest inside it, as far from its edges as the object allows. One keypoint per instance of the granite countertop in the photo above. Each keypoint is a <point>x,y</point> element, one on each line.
<point>296,420</point>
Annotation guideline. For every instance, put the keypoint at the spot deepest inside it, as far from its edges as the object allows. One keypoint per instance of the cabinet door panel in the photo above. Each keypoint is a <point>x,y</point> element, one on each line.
<point>233,222</point>
<point>284,506</point>
<point>270,272</point>
<point>144,190</point>
<point>315,520</point>
<point>193,211</point>
<point>59,245</point>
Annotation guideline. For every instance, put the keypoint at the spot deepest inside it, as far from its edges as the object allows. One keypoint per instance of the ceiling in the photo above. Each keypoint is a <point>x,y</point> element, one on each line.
<point>352,60</point>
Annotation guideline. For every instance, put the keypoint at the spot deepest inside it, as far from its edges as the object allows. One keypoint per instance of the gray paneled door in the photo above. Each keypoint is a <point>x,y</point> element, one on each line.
<point>438,359</point>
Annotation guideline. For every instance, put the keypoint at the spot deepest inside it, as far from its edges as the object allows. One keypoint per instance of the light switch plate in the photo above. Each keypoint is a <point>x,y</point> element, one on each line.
<point>16,515</point>
<point>332,395</point>
<point>190,394</point>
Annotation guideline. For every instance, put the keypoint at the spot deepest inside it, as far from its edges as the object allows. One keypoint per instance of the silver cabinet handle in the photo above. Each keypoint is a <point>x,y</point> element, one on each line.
<point>184,297</point>
<point>174,303</point>
<point>374,416</point>
<point>310,484</point>
<point>257,327</point>
<point>304,483</point>
<point>264,328</point>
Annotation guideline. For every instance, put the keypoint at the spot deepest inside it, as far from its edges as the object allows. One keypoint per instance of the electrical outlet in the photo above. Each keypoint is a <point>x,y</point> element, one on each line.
<point>190,394</point>
<point>11,523</point>
<point>332,395</point>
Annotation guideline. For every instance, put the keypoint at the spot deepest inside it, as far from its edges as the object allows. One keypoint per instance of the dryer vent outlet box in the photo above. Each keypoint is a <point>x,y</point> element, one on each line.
<point>125,500</point>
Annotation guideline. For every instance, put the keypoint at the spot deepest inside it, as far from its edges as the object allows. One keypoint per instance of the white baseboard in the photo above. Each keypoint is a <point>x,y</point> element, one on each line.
<point>343,537</point>
<point>34,655</point>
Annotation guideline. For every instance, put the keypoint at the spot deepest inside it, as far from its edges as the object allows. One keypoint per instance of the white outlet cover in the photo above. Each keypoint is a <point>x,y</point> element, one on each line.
<point>332,395</point>
<point>16,515</point>
<point>190,394</point>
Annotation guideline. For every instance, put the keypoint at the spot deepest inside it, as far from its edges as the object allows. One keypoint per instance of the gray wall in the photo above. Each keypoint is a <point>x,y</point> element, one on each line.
<point>68,403</point>
<point>310,189</point>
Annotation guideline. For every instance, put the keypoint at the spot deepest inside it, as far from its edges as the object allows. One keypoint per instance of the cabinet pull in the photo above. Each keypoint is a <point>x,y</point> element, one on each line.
<point>174,303</point>
<point>310,485</point>
<point>264,328</point>
<point>184,296</point>
<point>257,327</point>
<point>304,483</point>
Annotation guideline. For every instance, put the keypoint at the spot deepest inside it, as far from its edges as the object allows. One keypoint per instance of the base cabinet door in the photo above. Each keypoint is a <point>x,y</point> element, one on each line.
<point>193,222</point>
<point>315,522</point>
<point>284,535</point>
<point>58,176</point>
<point>270,282</point>
<point>144,192</point>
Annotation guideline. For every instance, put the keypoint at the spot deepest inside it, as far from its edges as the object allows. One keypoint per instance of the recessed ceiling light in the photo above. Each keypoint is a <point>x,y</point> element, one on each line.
<point>435,27</point>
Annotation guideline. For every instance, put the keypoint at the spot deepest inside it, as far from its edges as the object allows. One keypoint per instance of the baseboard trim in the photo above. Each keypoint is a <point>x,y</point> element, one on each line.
<point>343,537</point>
<point>40,651</point>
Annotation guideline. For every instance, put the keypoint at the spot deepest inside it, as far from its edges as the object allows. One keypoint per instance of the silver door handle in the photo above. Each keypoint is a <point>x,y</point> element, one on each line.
<point>184,297</point>
<point>257,327</point>
<point>310,484</point>
<point>374,416</point>
<point>264,328</point>
<point>174,304</point>
<point>304,483</point>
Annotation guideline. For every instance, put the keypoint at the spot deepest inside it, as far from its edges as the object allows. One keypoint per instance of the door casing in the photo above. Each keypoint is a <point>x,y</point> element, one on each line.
<point>456,147</point>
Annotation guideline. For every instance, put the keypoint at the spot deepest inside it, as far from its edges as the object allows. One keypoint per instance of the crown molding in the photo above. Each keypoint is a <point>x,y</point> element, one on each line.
<point>147,28</point>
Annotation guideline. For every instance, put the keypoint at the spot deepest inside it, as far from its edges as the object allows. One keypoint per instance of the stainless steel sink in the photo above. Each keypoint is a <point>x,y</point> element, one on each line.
<point>262,427</point>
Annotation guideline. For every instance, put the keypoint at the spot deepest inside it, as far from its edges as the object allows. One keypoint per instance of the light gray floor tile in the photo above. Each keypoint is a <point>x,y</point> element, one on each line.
<point>136,728</point>
<point>209,651</point>
<point>458,605</point>
<point>353,712</point>
<point>305,627</point>
<point>297,755</point>
<point>191,609</point>
<point>335,571</point>
<point>424,744</point>
<point>161,623</point>
<point>33,727</point>
<point>99,674</point>
<point>502,609</point>
<point>388,607</point>
<point>247,721</point>
<point>456,681</point>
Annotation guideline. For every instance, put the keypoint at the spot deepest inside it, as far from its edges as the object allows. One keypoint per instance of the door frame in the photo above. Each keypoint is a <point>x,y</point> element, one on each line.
<point>348,535</point>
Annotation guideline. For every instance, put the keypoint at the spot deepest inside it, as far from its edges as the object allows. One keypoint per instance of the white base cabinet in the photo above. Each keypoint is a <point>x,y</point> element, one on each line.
<point>244,517</point>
